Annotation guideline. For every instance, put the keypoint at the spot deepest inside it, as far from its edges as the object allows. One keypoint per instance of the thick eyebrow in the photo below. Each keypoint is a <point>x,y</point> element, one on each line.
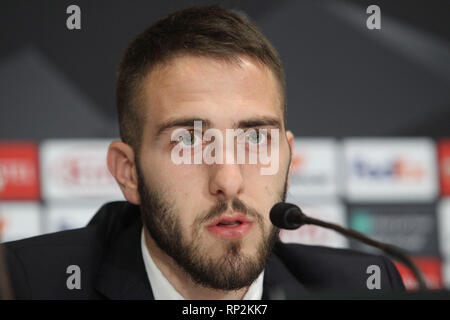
<point>189,122</point>
<point>260,122</point>
<point>181,122</point>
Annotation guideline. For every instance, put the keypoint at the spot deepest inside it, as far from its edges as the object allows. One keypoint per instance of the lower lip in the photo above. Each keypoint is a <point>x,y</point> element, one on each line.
<point>235,232</point>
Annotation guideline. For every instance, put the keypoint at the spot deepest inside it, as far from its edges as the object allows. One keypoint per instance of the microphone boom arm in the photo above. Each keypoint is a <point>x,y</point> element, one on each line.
<point>389,249</point>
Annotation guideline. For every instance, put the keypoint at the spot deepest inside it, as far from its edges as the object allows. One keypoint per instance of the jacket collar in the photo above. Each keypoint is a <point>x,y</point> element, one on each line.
<point>279,282</point>
<point>122,274</point>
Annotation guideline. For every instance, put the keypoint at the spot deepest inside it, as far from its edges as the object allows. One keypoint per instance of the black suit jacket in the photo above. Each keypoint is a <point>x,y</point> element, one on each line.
<point>108,253</point>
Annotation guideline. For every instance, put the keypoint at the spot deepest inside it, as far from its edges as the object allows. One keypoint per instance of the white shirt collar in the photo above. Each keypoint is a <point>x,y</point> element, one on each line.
<point>163,290</point>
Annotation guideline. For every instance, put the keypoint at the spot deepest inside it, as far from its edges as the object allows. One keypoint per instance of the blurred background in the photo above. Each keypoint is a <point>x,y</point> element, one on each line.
<point>370,109</point>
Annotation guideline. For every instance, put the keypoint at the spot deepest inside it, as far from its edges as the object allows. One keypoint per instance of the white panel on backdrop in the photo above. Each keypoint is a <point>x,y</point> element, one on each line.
<point>19,220</point>
<point>313,235</point>
<point>60,217</point>
<point>390,170</point>
<point>443,225</point>
<point>446,273</point>
<point>76,169</point>
<point>314,168</point>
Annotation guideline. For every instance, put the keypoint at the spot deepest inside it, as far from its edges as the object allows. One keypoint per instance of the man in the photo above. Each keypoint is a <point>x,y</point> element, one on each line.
<point>192,229</point>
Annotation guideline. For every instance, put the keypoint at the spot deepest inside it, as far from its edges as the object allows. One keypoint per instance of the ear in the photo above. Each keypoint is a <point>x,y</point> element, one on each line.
<point>121,164</point>
<point>290,140</point>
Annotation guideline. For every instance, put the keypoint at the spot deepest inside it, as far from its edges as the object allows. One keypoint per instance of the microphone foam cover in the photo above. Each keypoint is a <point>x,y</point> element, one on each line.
<point>278,215</point>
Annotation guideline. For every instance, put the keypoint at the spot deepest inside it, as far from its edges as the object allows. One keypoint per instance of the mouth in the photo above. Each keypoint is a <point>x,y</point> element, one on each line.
<point>230,226</point>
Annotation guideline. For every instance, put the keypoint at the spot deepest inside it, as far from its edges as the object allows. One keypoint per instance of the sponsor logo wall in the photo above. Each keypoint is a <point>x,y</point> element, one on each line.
<point>59,216</point>
<point>314,169</point>
<point>313,185</point>
<point>19,171</point>
<point>332,212</point>
<point>389,189</point>
<point>431,268</point>
<point>54,186</point>
<point>19,220</point>
<point>393,189</point>
<point>394,170</point>
<point>444,208</point>
<point>76,170</point>
<point>410,227</point>
<point>444,166</point>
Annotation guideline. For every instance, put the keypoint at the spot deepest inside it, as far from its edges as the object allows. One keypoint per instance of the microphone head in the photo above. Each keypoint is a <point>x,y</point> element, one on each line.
<point>287,216</point>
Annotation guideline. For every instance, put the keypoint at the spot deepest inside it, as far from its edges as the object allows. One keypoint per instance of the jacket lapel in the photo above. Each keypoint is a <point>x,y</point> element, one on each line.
<point>279,282</point>
<point>122,274</point>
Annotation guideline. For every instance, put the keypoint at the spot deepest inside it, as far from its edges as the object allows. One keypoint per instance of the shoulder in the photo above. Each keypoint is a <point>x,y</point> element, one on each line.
<point>109,220</point>
<point>41,263</point>
<point>39,266</point>
<point>318,266</point>
<point>75,241</point>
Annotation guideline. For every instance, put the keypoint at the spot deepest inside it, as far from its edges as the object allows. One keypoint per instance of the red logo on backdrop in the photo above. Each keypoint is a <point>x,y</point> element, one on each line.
<point>19,177</point>
<point>444,166</point>
<point>430,268</point>
<point>82,170</point>
<point>298,162</point>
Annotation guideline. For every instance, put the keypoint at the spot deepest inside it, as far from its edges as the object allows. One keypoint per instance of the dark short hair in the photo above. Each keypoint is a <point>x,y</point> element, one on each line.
<point>202,31</point>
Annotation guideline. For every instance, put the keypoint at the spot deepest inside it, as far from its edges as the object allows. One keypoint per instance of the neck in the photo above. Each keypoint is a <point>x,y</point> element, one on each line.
<point>181,281</point>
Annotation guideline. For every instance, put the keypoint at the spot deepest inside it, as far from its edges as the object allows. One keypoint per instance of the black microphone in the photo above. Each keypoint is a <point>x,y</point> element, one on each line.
<point>289,216</point>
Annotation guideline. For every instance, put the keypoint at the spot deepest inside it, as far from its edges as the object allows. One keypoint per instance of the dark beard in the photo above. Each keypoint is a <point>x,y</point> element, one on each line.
<point>232,271</point>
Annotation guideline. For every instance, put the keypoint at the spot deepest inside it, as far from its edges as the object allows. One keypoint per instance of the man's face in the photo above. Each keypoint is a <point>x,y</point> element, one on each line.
<point>212,219</point>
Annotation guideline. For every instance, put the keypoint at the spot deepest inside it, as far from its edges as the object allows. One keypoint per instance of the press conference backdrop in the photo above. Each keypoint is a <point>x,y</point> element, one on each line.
<point>370,110</point>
